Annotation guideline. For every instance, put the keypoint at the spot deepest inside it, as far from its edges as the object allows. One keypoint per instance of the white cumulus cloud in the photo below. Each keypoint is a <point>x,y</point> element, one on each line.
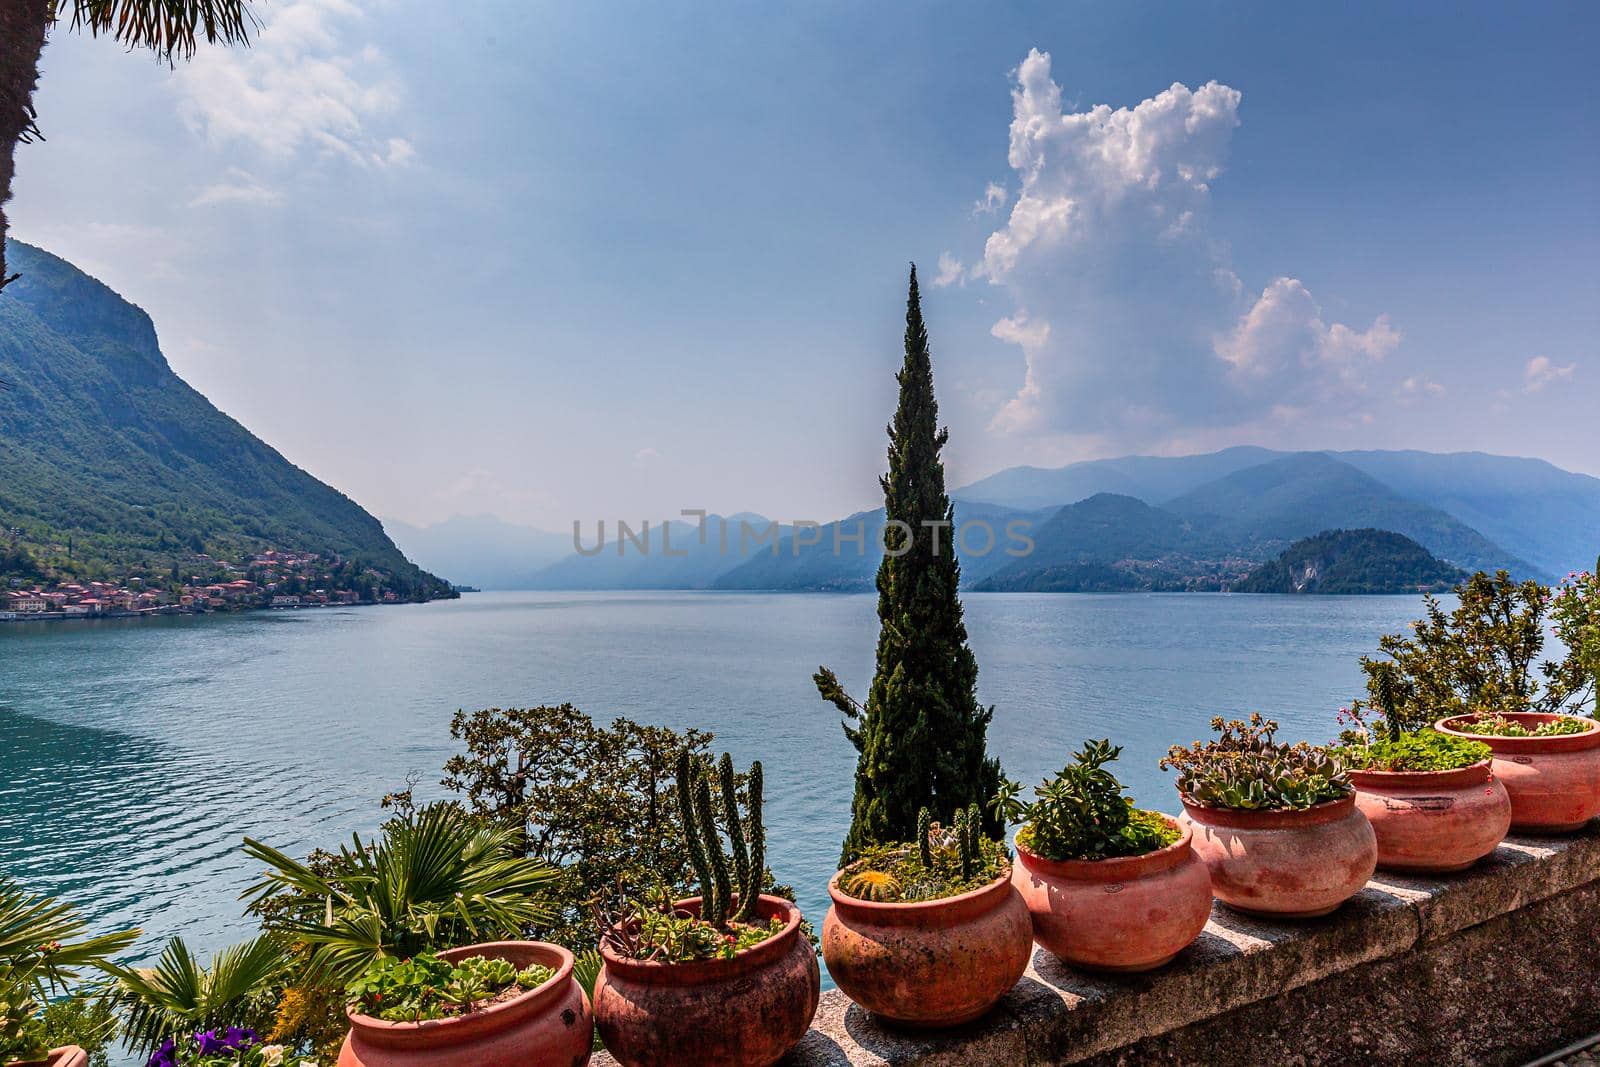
<point>1134,325</point>
<point>305,84</point>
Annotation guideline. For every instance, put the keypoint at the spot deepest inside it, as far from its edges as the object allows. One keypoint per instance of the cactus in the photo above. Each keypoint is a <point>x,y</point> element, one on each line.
<point>1386,694</point>
<point>713,907</point>
<point>730,811</point>
<point>975,836</point>
<point>963,842</point>
<point>757,835</point>
<point>747,840</point>
<point>687,775</point>
<point>924,828</point>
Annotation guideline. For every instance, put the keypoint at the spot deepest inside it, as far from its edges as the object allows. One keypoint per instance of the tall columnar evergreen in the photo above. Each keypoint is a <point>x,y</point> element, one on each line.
<point>921,734</point>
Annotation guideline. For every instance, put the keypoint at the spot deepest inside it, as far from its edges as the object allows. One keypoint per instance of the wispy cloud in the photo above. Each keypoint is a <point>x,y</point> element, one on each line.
<point>950,271</point>
<point>240,188</point>
<point>1540,373</point>
<point>308,83</point>
<point>994,198</point>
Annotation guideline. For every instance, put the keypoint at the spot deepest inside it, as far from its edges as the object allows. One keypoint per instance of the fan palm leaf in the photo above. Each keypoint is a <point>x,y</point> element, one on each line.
<point>180,995</point>
<point>42,943</point>
<point>432,879</point>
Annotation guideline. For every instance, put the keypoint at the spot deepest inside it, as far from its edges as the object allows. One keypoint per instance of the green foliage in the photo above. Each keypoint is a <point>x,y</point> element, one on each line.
<point>427,987</point>
<point>1499,726</point>
<point>1575,613</point>
<point>1348,562</point>
<point>1245,768</point>
<point>180,995</point>
<point>105,450</point>
<point>1422,750</point>
<point>598,802</point>
<point>43,950</point>
<point>86,1021</point>
<point>1480,657</point>
<point>435,878</point>
<point>1083,812</point>
<point>704,844</point>
<point>922,732</point>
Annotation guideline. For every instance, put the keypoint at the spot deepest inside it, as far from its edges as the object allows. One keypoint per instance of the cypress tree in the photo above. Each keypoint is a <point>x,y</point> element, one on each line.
<point>921,734</point>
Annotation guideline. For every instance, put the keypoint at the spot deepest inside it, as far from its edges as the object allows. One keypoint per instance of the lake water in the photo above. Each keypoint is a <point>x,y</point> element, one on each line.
<point>138,753</point>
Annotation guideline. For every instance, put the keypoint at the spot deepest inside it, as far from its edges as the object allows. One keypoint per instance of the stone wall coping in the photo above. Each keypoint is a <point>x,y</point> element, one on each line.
<point>1057,1015</point>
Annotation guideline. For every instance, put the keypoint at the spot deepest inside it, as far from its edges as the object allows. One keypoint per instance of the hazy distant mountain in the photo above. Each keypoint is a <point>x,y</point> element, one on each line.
<point>853,565</point>
<point>1529,509</point>
<point>1546,515</point>
<point>1264,507</point>
<point>670,556</point>
<point>1353,562</point>
<point>1152,479</point>
<point>481,550</point>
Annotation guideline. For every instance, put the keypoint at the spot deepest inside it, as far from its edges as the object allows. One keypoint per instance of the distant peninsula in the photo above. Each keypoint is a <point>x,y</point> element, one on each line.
<point>1353,562</point>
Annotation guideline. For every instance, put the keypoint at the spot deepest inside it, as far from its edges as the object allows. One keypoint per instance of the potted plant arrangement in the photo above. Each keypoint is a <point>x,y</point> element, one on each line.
<point>1276,824</point>
<point>726,977</point>
<point>1550,764</point>
<point>1109,886</point>
<point>928,933</point>
<point>1434,801</point>
<point>499,1004</point>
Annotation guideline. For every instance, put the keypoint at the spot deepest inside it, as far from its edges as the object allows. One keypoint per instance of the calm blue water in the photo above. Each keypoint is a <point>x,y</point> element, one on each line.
<point>138,753</point>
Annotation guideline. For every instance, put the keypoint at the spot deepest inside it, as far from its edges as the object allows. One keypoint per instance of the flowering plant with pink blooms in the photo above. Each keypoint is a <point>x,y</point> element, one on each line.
<point>1575,613</point>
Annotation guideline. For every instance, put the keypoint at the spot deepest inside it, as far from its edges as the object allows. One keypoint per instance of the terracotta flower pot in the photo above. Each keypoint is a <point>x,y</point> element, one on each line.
<point>1285,864</point>
<point>1554,782</point>
<point>549,1025</point>
<point>743,1012</point>
<point>1434,821</point>
<point>1130,913</point>
<point>931,963</point>
<point>65,1056</point>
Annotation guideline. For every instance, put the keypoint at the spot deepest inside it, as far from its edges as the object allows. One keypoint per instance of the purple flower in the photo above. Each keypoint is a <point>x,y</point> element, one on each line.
<point>165,1056</point>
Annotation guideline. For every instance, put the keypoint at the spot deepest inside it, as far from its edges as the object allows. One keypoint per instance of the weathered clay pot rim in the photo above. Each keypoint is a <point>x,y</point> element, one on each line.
<point>1471,774</point>
<point>1590,738</point>
<point>1270,818</point>
<point>952,908</point>
<point>697,971</point>
<point>1115,868</point>
<point>487,1020</point>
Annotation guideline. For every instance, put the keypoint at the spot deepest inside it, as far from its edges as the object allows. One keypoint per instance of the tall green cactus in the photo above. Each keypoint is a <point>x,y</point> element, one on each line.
<point>730,811</point>
<point>963,842</point>
<point>924,847</point>
<point>687,776</point>
<point>1386,694</point>
<point>757,834</point>
<point>974,843</point>
<point>713,907</point>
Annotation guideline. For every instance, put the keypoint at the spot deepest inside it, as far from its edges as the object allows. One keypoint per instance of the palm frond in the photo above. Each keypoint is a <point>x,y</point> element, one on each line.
<point>179,994</point>
<point>42,943</point>
<point>433,879</point>
<point>170,28</point>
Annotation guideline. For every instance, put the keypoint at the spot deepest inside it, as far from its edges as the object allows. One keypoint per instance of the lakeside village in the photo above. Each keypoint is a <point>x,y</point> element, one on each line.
<point>269,580</point>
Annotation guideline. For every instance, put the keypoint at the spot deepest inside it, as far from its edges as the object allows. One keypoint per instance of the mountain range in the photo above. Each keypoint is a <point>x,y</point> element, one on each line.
<point>110,464</point>
<point>1169,523</point>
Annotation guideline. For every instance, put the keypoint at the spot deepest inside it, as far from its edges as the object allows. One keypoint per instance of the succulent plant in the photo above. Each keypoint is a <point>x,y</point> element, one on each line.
<point>924,828</point>
<point>1246,768</point>
<point>1083,812</point>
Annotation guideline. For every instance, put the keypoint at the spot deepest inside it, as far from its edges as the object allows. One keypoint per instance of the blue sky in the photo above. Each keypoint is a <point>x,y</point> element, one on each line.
<point>558,261</point>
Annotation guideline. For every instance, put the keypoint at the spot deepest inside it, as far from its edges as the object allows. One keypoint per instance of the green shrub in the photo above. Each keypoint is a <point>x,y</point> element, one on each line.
<point>1500,726</point>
